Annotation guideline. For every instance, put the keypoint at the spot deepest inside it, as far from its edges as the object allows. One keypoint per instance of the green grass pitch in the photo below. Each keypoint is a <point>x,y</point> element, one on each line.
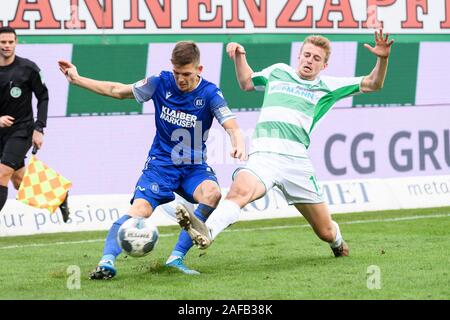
<point>278,259</point>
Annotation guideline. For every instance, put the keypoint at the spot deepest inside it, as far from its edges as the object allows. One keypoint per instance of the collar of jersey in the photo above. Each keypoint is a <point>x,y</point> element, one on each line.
<point>16,61</point>
<point>307,82</point>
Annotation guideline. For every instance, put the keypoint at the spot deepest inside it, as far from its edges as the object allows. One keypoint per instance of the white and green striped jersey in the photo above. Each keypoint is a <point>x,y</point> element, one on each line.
<point>293,106</point>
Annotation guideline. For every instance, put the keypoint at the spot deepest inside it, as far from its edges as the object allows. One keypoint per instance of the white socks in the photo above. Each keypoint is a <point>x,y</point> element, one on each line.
<point>225,214</point>
<point>337,242</point>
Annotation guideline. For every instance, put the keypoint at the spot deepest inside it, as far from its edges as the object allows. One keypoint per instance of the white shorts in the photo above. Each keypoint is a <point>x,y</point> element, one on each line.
<point>294,176</point>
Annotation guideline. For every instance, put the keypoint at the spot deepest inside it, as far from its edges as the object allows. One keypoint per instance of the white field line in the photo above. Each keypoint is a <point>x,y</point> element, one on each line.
<point>347,222</point>
<point>434,216</point>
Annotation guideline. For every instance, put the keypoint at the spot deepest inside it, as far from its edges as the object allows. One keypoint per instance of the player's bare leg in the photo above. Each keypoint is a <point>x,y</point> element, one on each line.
<point>17,177</point>
<point>318,216</point>
<point>244,189</point>
<point>140,208</point>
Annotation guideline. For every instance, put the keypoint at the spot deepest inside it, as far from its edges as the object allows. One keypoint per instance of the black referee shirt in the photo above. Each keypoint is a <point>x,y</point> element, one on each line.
<point>18,81</point>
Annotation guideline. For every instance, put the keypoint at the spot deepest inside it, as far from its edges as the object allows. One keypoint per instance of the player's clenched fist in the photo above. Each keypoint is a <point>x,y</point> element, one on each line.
<point>234,48</point>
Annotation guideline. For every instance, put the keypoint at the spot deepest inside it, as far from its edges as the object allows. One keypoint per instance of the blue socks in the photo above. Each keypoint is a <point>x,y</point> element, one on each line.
<point>112,248</point>
<point>184,241</point>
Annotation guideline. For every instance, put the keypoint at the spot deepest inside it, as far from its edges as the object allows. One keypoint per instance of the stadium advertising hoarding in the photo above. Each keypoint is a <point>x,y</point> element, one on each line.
<point>43,17</point>
<point>99,212</point>
<point>418,73</point>
<point>366,159</point>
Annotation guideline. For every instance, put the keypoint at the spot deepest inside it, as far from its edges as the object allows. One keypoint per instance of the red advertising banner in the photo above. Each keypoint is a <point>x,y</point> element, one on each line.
<point>42,17</point>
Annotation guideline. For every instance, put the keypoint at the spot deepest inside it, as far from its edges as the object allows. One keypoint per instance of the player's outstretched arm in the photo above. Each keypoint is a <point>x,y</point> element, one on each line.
<point>238,150</point>
<point>111,89</point>
<point>236,52</point>
<point>375,80</point>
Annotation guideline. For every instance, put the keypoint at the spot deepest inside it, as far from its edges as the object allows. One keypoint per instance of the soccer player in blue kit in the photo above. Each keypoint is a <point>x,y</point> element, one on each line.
<point>185,107</point>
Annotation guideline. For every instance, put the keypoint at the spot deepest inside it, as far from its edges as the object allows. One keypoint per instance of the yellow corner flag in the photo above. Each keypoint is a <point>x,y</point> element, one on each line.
<point>42,187</point>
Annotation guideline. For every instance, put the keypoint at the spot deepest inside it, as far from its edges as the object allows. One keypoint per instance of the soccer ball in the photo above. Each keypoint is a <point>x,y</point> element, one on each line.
<point>137,237</point>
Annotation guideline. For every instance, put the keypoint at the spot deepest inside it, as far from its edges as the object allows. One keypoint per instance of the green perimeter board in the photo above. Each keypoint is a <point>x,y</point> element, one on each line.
<point>225,38</point>
<point>401,79</point>
<point>101,62</point>
<point>259,56</point>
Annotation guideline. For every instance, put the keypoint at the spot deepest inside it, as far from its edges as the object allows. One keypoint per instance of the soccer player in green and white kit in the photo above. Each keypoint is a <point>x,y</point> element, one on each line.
<point>294,102</point>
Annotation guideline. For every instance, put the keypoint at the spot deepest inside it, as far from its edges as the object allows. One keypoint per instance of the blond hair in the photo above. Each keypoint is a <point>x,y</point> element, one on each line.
<point>321,42</point>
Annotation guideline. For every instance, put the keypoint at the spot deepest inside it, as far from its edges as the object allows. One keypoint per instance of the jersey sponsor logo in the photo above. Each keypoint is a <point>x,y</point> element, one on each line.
<point>178,117</point>
<point>199,102</point>
<point>168,94</point>
<point>294,90</point>
<point>15,92</point>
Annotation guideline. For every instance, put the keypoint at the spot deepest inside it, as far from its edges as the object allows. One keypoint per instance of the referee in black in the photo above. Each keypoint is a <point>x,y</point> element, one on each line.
<point>19,79</point>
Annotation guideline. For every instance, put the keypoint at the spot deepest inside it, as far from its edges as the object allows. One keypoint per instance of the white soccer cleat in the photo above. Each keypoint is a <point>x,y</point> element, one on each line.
<point>195,228</point>
<point>170,208</point>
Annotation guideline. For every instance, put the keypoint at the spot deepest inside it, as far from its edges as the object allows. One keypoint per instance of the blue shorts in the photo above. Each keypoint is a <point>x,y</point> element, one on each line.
<point>157,184</point>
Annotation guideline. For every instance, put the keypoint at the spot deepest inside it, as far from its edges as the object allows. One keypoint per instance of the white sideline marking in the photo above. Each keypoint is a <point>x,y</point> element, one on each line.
<point>33,245</point>
<point>348,222</point>
<point>236,230</point>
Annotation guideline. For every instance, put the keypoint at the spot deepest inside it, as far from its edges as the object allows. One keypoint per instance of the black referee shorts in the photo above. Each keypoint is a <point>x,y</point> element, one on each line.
<point>14,145</point>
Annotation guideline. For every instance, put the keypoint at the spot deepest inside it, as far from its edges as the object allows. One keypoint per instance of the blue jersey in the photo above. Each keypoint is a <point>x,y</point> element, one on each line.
<point>182,118</point>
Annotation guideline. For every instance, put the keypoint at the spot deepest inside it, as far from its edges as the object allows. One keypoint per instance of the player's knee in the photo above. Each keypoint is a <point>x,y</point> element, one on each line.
<point>5,174</point>
<point>140,213</point>
<point>140,209</point>
<point>240,193</point>
<point>326,234</point>
<point>212,196</point>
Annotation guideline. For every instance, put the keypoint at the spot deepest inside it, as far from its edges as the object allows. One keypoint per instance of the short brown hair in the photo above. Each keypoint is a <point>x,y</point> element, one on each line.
<point>8,30</point>
<point>185,52</point>
<point>321,42</point>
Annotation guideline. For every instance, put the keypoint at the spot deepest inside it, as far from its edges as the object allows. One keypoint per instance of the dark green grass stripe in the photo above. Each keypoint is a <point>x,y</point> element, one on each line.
<point>400,85</point>
<point>116,63</point>
<point>259,57</point>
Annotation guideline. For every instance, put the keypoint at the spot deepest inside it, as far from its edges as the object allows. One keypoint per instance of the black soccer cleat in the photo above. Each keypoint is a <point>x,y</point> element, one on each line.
<point>105,270</point>
<point>341,251</point>
<point>64,207</point>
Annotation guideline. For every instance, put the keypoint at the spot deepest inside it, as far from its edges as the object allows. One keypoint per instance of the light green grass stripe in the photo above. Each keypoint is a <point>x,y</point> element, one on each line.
<point>281,130</point>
